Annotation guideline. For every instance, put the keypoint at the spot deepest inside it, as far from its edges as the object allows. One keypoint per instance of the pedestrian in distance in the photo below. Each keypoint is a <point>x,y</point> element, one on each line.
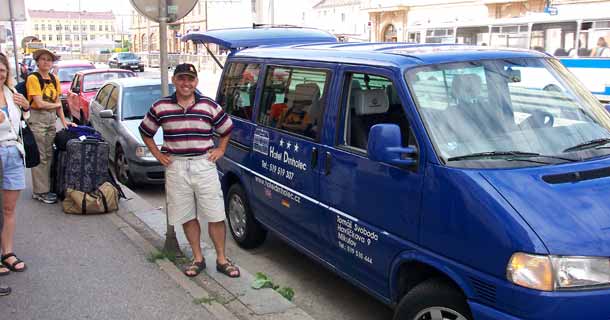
<point>13,106</point>
<point>602,49</point>
<point>43,91</point>
<point>188,153</point>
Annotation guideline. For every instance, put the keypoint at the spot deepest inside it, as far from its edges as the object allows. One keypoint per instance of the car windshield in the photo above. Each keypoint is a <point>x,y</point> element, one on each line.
<point>126,56</point>
<point>508,113</point>
<point>67,73</point>
<point>137,100</point>
<point>94,81</point>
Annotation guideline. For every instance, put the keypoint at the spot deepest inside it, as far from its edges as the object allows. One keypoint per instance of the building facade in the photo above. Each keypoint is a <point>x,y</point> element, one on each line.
<point>346,19</point>
<point>67,30</point>
<point>403,20</point>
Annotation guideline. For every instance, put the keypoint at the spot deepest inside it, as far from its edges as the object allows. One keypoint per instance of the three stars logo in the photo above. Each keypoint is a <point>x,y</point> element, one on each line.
<point>295,146</point>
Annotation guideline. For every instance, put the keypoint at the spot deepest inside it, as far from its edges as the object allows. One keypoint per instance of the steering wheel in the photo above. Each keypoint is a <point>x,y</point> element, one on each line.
<point>539,119</point>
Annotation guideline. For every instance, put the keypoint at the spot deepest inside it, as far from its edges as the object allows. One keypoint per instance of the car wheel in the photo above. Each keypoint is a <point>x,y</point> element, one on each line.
<point>121,167</point>
<point>247,232</point>
<point>435,299</point>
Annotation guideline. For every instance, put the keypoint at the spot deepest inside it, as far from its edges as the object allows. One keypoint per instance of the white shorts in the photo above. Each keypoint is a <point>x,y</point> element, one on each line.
<point>192,187</point>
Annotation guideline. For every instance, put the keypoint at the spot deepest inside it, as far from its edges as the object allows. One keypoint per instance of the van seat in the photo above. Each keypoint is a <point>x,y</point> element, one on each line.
<point>367,108</point>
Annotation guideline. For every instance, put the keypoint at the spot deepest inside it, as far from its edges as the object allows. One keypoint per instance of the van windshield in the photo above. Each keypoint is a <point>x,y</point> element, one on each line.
<point>509,113</point>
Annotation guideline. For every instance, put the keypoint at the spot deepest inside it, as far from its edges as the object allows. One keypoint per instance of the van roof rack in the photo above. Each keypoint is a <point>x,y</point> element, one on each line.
<point>270,25</point>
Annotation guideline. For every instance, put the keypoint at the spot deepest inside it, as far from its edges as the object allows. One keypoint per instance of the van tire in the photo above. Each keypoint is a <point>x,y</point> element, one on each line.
<point>433,295</point>
<point>247,232</point>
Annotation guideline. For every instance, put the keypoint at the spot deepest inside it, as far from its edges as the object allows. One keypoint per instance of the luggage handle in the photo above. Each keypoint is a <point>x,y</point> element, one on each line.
<point>90,141</point>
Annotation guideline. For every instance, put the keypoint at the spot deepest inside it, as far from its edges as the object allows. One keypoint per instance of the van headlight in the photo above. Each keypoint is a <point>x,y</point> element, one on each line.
<point>548,273</point>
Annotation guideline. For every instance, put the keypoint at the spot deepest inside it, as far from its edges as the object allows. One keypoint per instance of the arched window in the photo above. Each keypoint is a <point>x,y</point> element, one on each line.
<point>389,34</point>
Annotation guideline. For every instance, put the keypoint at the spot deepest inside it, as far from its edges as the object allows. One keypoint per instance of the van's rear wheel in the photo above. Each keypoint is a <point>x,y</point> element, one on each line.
<point>246,231</point>
<point>434,299</point>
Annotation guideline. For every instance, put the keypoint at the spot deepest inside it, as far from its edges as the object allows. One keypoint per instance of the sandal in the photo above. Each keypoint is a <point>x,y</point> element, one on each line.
<point>228,269</point>
<point>11,266</point>
<point>196,267</point>
<point>4,270</point>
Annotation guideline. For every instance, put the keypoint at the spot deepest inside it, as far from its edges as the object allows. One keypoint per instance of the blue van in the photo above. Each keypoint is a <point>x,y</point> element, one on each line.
<point>447,181</point>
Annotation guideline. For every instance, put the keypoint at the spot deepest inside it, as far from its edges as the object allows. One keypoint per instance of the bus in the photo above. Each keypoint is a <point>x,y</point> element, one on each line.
<point>572,40</point>
<point>32,46</point>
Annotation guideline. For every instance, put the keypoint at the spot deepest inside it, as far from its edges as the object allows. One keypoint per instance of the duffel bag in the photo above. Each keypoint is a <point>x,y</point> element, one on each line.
<point>103,200</point>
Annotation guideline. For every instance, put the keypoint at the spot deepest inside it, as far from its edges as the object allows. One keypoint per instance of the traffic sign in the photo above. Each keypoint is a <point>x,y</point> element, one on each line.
<point>18,10</point>
<point>175,9</point>
<point>551,10</point>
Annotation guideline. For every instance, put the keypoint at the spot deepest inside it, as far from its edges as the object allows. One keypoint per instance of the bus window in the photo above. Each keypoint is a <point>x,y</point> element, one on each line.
<point>473,35</point>
<point>439,35</point>
<point>514,36</point>
<point>557,39</point>
<point>598,37</point>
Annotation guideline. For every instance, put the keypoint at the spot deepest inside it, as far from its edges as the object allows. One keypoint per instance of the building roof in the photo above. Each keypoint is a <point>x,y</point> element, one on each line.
<point>392,55</point>
<point>53,14</point>
<point>335,3</point>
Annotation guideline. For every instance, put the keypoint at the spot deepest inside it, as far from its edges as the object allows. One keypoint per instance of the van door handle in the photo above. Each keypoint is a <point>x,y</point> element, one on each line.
<point>314,157</point>
<point>327,159</point>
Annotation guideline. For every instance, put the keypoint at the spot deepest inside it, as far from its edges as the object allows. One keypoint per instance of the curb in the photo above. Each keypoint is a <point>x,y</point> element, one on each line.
<point>195,291</point>
<point>230,299</point>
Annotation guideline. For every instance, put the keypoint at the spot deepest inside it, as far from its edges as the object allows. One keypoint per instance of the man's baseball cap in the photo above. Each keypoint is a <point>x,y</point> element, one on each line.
<point>40,52</point>
<point>185,68</point>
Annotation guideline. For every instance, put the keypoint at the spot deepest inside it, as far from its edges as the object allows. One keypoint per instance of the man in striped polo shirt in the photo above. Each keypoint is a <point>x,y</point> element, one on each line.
<point>188,153</point>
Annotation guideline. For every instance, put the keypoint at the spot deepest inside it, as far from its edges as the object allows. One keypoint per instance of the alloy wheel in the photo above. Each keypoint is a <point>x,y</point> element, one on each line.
<point>439,313</point>
<point>237,215</point>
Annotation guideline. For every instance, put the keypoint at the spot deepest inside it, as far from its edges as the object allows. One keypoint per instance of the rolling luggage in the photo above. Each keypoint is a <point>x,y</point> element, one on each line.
<point>63,136</point>
<point>58,173</point>
<point>86,164</point>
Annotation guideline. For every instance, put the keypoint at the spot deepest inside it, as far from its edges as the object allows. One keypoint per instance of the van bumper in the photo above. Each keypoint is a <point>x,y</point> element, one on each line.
<point>482,312</point>
<point>562,305</point>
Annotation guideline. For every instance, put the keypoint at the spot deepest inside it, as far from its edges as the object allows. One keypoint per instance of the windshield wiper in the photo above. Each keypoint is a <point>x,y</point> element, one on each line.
<point>133,117</point>
<point>508,155</point>
<point>588,144</point>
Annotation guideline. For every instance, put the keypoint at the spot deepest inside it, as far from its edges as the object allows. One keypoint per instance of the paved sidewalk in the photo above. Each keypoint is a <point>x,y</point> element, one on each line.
<point>86,267</point>
<point>235,295</point>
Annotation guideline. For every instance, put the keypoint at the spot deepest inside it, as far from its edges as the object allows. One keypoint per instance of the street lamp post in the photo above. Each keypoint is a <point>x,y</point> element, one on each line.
<point>80,31</point>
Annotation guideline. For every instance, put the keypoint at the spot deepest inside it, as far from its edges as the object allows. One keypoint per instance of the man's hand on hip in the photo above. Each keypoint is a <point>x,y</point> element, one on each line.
<point>164,159</point>
<point>215,154</point>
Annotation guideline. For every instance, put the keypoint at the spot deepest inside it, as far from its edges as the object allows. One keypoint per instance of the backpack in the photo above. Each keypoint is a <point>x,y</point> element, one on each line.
<point>23,89</point>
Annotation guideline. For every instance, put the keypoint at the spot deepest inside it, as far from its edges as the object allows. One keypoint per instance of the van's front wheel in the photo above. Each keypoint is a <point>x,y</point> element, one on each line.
<point>246,231</point>
<point>433,299</point>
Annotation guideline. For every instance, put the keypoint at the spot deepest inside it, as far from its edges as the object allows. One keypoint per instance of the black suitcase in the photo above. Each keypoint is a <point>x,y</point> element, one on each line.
<point>86,164</point>
<point>58,173</point>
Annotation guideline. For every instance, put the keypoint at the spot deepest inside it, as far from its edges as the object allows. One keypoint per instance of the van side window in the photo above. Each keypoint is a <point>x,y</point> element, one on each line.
<point>293,100</point>
<point>239,89</point>
<point>372,100</point>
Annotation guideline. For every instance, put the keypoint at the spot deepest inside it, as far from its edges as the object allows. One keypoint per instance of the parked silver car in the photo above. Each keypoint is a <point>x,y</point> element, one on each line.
<point>116,112</point>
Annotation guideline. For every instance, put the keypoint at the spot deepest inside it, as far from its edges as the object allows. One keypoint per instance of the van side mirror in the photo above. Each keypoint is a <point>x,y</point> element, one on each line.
<point>107,114</point>
<point>385,145</point>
